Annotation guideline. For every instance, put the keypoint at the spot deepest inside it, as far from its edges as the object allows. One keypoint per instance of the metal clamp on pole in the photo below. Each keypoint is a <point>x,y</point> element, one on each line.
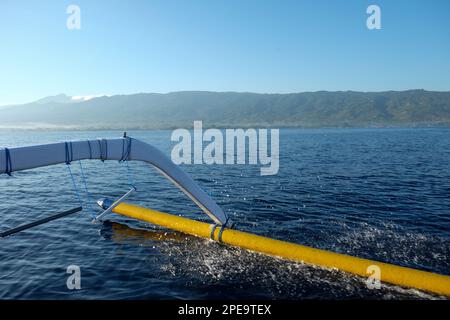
<point>115,204</point>
<point>221,229</point>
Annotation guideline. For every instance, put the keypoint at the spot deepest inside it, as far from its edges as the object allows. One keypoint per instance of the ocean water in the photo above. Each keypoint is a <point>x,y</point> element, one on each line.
<point>382,194</point>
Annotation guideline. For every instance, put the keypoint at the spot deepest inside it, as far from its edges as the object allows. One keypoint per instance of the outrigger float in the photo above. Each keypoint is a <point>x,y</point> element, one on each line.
<point>221,229</point>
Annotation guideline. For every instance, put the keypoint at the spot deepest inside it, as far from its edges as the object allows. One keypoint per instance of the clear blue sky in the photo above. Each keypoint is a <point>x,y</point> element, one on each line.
<point>220,45</point>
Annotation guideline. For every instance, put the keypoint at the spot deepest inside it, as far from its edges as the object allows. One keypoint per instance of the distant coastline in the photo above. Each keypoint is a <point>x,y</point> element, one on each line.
<point>153,111</point>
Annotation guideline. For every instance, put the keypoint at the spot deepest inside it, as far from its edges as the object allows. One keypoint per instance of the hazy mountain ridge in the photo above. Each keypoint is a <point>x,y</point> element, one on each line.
<point>233,109</point>
<point>59,98</point>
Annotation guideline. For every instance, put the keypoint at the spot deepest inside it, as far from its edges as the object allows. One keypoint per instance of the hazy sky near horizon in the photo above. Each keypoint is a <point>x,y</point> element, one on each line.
<point>220,45</point>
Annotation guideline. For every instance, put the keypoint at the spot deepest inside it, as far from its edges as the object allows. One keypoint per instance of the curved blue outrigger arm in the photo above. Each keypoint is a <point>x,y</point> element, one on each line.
<point>122,149</point>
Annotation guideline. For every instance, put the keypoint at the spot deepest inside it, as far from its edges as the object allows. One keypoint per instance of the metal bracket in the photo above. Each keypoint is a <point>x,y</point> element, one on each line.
<point>115,204</point>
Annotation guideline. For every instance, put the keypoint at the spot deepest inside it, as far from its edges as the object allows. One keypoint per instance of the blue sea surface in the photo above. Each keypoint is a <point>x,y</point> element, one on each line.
<point>381,194</point>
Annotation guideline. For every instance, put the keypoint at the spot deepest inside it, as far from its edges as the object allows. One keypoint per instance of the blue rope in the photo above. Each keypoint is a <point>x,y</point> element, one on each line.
<point>88,196</point>
<point>74,184</point>
<point>125,158</point>
<point>66,149</point>
<point>90,149</point>
<point>123,150</point>
<point>126,153</point>
<point>130,176</point>
<point>69,152</point>
<point>128,149</point>
<point>106,149</point>
<point>100,145</point>
<point>8,163</point>
<point>69,157</point>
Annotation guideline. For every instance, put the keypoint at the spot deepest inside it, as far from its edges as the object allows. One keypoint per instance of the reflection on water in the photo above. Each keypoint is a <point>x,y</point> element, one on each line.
<point>121,233</point>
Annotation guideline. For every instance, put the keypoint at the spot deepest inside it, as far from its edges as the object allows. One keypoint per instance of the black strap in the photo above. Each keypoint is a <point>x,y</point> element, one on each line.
<point>222,228</point>
<point>213,229</point>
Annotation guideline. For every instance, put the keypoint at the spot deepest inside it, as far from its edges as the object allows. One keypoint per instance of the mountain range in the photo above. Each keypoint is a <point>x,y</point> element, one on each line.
<point>233,109</point>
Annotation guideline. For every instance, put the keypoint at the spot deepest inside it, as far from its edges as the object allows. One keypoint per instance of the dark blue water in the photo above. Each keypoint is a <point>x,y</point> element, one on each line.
<point>382,194</point>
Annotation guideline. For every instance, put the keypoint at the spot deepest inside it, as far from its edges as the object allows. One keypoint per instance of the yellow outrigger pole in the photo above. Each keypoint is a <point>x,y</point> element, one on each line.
<point>402,276</point>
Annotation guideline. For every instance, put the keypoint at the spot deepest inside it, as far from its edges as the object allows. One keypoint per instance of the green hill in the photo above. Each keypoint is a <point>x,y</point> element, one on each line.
<point>232,109</point>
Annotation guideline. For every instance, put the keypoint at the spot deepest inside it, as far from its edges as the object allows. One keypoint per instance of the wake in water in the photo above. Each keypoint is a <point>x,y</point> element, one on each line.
<point>214,271</point>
